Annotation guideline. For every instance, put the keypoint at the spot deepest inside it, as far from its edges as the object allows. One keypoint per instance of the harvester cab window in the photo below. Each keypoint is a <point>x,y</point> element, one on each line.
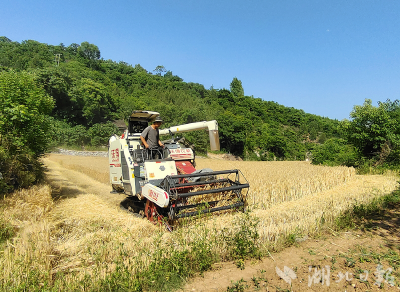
<point>137,126</point>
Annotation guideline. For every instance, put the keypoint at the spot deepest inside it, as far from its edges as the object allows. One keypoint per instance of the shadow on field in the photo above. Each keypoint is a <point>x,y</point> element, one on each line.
<point>385,223</point>
<point>62,188</point>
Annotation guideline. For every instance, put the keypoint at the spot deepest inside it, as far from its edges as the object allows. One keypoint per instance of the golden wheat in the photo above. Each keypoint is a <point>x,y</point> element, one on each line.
<point>85,234</point>
<point>272,183</point>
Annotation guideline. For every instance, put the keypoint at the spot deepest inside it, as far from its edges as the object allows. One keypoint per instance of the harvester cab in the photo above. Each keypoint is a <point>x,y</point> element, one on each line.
<point>165,186</point>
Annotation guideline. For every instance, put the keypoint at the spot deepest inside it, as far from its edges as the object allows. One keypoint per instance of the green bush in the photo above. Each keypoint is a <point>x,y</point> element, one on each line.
<point>24,129</point>
<point>393,159</point>
<point>335,152</point>
<point>6,231</point>
<point>63,134</point>
<point>99,134</point>
<point>18,170</point>
<point>77,136</point>
<point>244,239</point>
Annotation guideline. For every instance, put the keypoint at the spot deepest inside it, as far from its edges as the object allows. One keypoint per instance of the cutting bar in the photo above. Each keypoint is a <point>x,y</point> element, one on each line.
<point>190,214</point>
<point>213,191</point>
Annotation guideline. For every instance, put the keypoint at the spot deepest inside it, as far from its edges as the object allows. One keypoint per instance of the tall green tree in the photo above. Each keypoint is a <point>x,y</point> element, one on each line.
<point>160,70</point>
<point>233,131</point>
<point>371,127</point>
<point>5,39</point>
<point>236,87</point>
<point>90,54</point>
<point>92,102</point>
<point>89,51</point>
<point>24,109</point>
<point>57,82</point>
<point>24,129</point>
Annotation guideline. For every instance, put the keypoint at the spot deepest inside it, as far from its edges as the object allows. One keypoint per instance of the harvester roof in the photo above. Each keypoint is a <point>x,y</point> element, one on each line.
<point>144,116</point>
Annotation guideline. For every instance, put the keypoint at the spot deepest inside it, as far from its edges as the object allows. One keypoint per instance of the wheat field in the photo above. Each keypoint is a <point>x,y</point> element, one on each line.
<point>84,234</point>
<point>284,195</point>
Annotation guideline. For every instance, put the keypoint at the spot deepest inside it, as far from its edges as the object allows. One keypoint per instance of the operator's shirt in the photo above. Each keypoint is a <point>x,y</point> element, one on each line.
<point>152,136</point>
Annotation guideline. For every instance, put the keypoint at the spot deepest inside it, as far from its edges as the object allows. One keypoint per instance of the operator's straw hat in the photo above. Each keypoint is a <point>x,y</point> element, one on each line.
<point>158,120</point>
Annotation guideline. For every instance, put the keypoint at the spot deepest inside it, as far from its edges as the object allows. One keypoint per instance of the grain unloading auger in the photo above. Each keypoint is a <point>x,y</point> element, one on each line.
<point>169,187</point>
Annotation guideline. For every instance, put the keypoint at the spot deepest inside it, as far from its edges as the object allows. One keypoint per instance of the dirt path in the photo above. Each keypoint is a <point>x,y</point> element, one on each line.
<point>331,263</point>
<point>346,261</point>
<point>362,259</point>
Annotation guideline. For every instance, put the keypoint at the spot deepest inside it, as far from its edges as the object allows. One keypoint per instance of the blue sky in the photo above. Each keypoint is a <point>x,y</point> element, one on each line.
<point>320,56</point>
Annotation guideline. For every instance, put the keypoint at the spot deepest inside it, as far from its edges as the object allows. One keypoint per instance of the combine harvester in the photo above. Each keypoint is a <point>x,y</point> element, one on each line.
<point>169,187</point>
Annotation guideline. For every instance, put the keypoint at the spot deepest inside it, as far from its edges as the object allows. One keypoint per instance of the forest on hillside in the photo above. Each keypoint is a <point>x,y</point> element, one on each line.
<point>54,95</point>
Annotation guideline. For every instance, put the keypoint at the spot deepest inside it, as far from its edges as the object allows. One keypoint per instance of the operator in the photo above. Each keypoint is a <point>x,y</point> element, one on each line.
<point>150,137</point>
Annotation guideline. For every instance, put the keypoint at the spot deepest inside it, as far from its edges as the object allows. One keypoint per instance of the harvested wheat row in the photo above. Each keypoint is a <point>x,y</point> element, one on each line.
<point>88,223</point>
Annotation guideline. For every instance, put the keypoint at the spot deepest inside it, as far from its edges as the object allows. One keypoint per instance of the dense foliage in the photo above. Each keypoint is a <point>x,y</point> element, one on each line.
<point>375,132</point>
<point>89,92</point>
<point>24,128</point>
<point>334,152</point>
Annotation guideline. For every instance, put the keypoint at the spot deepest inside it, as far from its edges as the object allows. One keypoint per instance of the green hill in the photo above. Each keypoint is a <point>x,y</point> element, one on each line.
<point>89,92</point>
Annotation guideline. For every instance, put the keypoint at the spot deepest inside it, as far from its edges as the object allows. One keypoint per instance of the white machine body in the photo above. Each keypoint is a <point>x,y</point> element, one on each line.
<point>136,175</point>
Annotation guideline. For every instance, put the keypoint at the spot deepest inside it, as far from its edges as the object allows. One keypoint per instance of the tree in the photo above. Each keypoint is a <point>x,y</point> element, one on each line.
<point>272,140</point>
<point>139,68</point>
<point>233,129</point>
<point>236,87</point>
<point>5,39</point>
<point>57,84</point>
<point>89,51</point>
<point>24,109</point>
<point>73,48</point>
<point>91,102</point>
<point>370,128</point>
<point>24,129</point>
<point>225,98</point>
<point>160,70</point>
